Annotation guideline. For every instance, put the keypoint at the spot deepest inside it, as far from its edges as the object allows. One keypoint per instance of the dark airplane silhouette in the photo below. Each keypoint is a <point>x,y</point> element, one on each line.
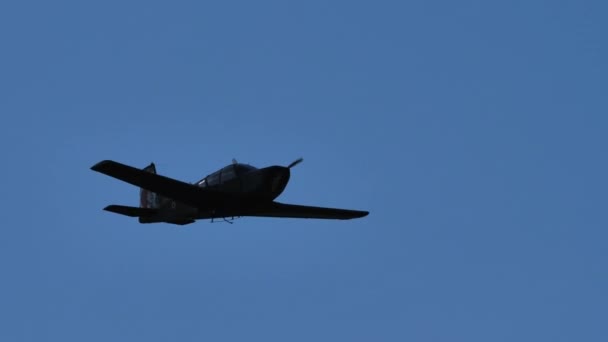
<point>234,191</point>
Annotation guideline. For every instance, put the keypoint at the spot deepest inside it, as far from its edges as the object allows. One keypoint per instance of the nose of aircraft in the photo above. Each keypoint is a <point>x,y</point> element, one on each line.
<point>276,179</point>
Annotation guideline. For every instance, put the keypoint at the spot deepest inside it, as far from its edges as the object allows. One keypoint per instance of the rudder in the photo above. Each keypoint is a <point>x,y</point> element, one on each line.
<point>147,198</point>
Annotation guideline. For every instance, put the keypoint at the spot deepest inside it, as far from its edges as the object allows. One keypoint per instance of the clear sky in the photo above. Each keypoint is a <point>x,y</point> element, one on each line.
<point>473,131</point>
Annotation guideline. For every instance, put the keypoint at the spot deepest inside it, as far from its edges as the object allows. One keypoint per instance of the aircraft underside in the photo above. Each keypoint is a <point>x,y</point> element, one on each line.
<point>234,191</point>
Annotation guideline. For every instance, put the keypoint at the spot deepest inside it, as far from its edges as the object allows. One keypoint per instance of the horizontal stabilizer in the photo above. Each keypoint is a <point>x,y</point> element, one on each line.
<point>131,211</point>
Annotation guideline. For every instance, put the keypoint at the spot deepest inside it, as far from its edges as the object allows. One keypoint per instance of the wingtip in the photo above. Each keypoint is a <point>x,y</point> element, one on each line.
<point>100,166</point>
<point>356,214</point>
<point>110,207</point>
<point>362,214</point>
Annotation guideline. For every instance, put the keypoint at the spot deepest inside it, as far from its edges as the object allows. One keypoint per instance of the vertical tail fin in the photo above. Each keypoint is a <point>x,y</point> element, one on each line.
<point>149,199</point>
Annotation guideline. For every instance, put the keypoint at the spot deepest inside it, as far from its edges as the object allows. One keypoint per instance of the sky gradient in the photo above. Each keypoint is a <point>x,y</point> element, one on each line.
<point>474,132</point>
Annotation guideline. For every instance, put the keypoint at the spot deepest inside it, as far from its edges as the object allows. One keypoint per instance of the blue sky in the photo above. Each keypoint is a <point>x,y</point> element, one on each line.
<point>473,131</point>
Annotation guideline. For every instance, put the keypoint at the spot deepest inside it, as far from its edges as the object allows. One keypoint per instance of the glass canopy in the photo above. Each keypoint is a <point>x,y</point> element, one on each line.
<point>228,173</point>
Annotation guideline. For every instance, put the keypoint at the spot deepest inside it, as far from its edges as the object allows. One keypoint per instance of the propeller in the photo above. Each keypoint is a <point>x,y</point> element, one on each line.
<point>295,162</point>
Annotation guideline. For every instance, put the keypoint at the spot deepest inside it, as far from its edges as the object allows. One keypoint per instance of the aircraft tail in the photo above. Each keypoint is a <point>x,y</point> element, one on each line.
<point>147,198</point>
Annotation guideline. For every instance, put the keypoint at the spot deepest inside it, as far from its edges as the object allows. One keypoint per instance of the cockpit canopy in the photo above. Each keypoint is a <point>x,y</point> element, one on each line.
<point>225,174</point>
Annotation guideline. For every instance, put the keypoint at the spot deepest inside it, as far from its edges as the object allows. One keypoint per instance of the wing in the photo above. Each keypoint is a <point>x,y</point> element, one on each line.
<point>277,209</point>
<point>165,186</point>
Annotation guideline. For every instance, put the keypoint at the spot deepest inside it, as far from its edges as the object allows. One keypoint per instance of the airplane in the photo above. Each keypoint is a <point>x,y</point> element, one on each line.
<point>236,190</point>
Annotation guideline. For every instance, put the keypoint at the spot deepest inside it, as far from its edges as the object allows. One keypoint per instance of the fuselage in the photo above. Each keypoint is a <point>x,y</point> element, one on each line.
<point>242,185</point>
